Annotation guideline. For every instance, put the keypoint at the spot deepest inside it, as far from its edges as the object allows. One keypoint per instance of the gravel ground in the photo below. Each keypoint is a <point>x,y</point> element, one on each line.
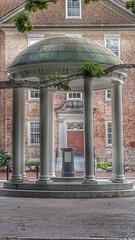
<point>60,218</point>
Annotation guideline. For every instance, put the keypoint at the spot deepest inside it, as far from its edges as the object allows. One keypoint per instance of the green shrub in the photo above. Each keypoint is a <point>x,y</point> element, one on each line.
<point>32,162</point>
<point>5,158</point>
<point>104,165</point>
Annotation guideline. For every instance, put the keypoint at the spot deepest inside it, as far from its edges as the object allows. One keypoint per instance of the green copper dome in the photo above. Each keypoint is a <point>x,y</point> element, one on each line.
<point>65,49</point>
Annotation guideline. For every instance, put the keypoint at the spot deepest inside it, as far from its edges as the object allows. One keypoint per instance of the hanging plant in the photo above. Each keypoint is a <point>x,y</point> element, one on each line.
<point>92,69</point>
<point>22,22</point>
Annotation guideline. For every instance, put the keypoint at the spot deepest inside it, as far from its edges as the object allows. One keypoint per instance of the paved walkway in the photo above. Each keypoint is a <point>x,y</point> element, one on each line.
<point>60,218</point>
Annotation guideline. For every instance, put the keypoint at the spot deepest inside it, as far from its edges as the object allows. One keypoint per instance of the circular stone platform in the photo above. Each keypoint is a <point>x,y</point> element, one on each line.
<point>68,189</point>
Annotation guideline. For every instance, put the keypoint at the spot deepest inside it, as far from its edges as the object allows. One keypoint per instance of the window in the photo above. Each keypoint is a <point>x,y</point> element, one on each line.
<point>113,44</point>
<point>73,8</point>
<point>32,39</point>
<point>34,133</point>
<point>108,133</point>
<point>33,95</point>
<point>74,95</point>
<point>108,95</point>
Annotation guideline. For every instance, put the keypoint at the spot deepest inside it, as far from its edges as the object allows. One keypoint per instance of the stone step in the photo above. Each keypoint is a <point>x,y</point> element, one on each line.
<point>74,238</point>
<point>67,194</point>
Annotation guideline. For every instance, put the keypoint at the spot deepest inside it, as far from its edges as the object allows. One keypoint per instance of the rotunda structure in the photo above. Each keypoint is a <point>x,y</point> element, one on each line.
<point>66,55</point>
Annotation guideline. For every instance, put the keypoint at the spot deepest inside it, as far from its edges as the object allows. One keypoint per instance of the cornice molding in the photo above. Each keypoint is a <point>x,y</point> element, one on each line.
<point>89,27</point>
<point>119,8</point>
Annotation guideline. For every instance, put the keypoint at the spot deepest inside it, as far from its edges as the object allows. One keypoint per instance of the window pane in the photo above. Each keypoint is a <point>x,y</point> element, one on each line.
<point>113,45</point>
<point>34,133</point>
<point>74,95</point>
<point>73,8</point>
<point>34,94</point>
<point>109,133</point>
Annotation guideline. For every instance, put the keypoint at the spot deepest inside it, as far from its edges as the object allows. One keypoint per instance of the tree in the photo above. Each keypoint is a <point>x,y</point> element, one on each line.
<point>23,23</point>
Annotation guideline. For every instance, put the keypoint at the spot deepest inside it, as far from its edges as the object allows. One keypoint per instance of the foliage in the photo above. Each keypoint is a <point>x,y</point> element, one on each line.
<point>131,5</point>
<point>22,22</point>
<point>60,86</point>
<point>92,69</point>
<point>88,69</point>
<point>32,162</point>
<point>5,158</point>
<point>89,1</point>
<point>104,165</point>
<point>33,6</point>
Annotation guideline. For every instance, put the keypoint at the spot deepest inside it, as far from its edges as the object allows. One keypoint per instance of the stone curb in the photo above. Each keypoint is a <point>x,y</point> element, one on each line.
<point>69,238</point>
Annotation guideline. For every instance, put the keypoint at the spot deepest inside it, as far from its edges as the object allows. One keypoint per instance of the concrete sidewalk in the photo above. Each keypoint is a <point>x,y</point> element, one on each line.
<point>67,218</point>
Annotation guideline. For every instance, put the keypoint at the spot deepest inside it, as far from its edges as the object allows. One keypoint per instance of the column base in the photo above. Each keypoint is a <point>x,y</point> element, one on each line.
<point>24,177</point>
<point>112,177</point>
<point>89,180</point>
<point>52,175</point>
<point>44,180</point>
<point>118,179</point>
<point>16,178</point>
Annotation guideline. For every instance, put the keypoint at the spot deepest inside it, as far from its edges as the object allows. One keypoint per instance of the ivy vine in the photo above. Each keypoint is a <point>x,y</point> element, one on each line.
<point>89,69</point>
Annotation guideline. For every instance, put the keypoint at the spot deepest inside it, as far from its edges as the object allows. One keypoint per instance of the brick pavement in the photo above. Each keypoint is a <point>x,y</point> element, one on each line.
<point>67,218</point>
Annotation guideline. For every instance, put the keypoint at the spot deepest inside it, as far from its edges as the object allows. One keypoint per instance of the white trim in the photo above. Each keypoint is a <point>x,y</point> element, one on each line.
<point>73,17</point>
<point>106,95</point>
<point>68,98</point>
<point>106,134</point>
<point>29,142</point>
<point>29,96</point>
<point>74,35</point>
<point>35,38</point>
<point>113,37</point>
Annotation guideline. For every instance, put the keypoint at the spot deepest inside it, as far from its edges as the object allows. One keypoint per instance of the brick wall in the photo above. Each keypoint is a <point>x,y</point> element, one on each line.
<point>12,42</point>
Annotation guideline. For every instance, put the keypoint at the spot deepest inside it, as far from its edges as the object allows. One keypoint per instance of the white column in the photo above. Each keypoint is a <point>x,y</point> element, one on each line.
<point>89,177</point>
<point>113,140</point>
<point>51,136</point>
<point>44,136</point>
<point>117,133</point>
<point>18,134</point>
<point>23,134</point>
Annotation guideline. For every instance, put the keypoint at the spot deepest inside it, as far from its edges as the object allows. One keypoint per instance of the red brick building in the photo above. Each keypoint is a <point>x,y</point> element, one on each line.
<point>106,22</point>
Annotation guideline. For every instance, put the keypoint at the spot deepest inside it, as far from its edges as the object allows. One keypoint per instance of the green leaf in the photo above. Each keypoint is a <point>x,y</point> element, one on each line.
<point>131,5</point>
<point>22,22</point>
<point>5,158</point>
<point>92,69</point>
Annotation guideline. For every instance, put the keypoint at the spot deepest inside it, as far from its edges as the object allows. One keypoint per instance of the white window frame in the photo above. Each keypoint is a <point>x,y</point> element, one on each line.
<point>68,98</point>
<point>35,38</point>
<point>113,38</point>
<point>73,17</point>
<point>29,134</point>
<point>106,133</point>
<point>106,95</point>
<point>32,98</point>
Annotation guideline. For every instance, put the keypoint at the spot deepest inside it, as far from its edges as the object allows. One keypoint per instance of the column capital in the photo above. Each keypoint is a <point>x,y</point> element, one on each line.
<point>116,82</point>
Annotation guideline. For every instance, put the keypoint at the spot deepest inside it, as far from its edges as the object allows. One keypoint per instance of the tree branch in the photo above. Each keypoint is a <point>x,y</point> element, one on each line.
<point>11,83</point>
